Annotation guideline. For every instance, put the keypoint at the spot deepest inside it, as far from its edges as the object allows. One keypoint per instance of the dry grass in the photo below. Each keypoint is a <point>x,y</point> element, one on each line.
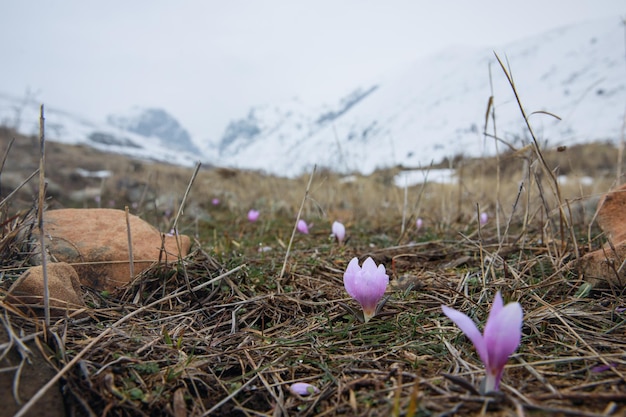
<point>233,344</point>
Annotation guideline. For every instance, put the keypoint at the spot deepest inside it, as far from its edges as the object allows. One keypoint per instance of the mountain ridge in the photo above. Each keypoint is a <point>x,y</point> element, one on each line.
<point>66,127</point>
<point>435,108</point>
<point>429,110</point>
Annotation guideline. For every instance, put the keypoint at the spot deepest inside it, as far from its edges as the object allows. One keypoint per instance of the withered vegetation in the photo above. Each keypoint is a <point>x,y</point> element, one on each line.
<point>219,333</point>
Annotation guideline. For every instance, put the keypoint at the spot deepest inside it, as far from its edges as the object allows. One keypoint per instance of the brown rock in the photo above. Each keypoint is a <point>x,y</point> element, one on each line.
<point>63,286</point>
<point>95,242</point>
<point>605,265</point>
<point>612,214</point>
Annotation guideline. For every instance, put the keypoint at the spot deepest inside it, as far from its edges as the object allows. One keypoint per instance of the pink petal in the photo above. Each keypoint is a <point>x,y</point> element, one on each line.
<point>302,388</point>
<point>496,306</point>
<point>503,333</point>
<point>468,327</point>
<point>351,277</point>
<point>369,265</point>
<point>374,282</point>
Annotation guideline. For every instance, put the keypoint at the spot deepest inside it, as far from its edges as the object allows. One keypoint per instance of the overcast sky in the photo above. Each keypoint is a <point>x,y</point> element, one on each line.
<point>207,62</point>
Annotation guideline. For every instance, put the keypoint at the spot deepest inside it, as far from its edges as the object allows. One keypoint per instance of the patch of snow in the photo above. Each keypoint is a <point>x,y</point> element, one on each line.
<point>415,177</point>
<point>94,174</point>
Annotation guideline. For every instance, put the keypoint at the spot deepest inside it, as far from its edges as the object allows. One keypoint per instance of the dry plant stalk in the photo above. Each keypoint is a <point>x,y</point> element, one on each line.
<point>416,207</point>
<point>41,199</point>
<point>175,226</point>
<point>564,222</point>
<point>131,266</point>
<point>491,110</point>
<point>4,159</point>
<point>622,142</point>
<point>40,393</point>
<point>185,196</point>
<point>295,226</point>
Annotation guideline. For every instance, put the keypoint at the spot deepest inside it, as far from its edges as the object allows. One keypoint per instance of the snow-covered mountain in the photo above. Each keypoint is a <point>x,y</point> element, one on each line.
<point>151,122</point>
<point>280,121</point>
<point>126,138</point>
<point>436,107</point>
<point>427,111</point>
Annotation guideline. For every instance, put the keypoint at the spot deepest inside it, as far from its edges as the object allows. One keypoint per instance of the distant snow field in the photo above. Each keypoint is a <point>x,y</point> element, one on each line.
<point>415,177</point>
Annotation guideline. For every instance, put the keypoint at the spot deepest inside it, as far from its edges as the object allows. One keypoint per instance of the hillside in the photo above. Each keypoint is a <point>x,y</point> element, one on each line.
<point>426,112</point>
<point>435,108</point>
<point>230,328</point>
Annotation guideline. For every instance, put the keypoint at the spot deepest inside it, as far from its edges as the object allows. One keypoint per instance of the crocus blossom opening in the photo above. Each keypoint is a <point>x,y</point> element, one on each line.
<point>302,227</point>
<point>339,231</point>
<point>484,218</point>
<point>253,215</point>
<point>304,389</point>
<point>500,338</point>
<point>419,223</point>
<point>366,284</point>
<point>215,201</point>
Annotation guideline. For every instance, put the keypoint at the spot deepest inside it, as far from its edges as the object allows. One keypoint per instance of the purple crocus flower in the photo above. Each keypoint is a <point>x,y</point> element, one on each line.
<point>339,231</point>
<point>500,338</point>
<point>215,201</point>
<point>419,223</point>
<point>302,227</point>
<point>367,285</point>
<point>304,389</point>
<point>484,218</point>
<point>253,215</point>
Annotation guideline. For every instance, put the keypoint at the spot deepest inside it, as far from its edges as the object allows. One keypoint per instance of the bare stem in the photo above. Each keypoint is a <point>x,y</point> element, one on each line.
<point>130,245</point>
<point>295,226</point>
<point>42,196</point>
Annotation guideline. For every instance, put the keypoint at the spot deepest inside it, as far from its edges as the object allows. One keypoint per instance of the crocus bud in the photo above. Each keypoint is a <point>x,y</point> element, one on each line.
<point>339,231</point>
<point>303,389</point>
<point>253,215</point>
<point>302,227</point>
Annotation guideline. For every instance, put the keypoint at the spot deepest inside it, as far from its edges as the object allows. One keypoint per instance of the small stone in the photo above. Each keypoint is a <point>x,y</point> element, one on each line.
<point>612,214</point>
<point>604,266</point>
<point>63,288</point>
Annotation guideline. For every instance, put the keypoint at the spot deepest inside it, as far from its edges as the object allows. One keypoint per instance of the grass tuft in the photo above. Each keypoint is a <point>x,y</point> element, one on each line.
<point>254,308</point>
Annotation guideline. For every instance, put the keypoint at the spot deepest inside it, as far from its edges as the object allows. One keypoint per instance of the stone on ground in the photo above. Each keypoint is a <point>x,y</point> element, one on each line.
<point>95,243</point>
<point>606,265</point>
<point>63,288</point>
